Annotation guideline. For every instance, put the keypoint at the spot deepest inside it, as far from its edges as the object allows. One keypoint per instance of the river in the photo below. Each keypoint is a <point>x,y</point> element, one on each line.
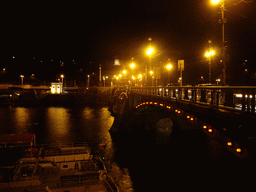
<point>67,124</point>
<point>190,160</point>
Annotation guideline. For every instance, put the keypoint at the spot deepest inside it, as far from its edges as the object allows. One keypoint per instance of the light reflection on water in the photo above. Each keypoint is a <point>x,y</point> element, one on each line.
<point>59,124</point>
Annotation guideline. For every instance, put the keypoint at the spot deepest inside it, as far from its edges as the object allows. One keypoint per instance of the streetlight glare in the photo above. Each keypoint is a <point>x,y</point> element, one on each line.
<point>150,51</point>
<point>215,1</point>
<point>169,66</point>
<point>208,54</point>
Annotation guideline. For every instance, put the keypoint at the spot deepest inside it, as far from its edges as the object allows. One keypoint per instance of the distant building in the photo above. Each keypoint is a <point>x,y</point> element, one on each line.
<point>56,88</point>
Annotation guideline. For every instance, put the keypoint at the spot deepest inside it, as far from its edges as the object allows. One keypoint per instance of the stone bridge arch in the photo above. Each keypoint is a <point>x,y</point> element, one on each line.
<point>147,115</point>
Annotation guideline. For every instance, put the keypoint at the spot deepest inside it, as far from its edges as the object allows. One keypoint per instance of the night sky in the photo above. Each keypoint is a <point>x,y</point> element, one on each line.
<point>41,34</point>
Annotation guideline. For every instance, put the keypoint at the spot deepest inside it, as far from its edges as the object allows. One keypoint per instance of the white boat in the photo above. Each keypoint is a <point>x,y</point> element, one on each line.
<point>56,168</point>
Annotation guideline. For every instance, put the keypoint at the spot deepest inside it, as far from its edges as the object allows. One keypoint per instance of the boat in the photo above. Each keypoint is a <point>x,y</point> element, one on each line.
<point>53,167</point>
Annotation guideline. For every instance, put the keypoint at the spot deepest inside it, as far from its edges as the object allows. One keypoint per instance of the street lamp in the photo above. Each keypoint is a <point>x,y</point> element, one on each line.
<point>21,76</point>
<point>88,80</point>
<point>169,67</point>
<point>62,77</point>
<point>209,54</point>
<point>149,53</point>
<point>222,21</point>
<point>215,1</point>
<point>104,80</point>
<point>132,66</point>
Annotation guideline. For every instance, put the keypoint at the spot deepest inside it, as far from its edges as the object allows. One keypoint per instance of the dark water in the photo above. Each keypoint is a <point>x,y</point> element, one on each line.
<point>59,124</point>
<point>189,160</point>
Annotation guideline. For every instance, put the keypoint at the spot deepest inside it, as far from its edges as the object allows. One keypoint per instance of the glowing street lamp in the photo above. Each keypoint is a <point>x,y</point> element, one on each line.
<point>88,80</point>
<point>215,1</point>
<point>21,76</point>
<point>209,54</point>
<point>169,67</point>
<point>62,77</point>
<point>150,51</point>
<point>132,65</point>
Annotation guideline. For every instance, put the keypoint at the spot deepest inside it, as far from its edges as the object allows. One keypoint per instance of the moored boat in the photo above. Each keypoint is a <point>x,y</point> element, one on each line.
<point>55,167</point>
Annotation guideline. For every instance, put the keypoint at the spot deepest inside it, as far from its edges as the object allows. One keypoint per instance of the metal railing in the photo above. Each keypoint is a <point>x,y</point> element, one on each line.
<point>240,98</point>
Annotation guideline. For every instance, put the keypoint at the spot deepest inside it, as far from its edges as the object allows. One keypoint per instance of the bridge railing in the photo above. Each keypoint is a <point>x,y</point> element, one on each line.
<point>240,98</point>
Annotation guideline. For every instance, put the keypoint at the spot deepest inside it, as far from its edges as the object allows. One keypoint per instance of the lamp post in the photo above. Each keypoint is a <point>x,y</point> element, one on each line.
<point>132,66</point>
<point>100,75</point>
<point>62,77</point>
<point>209,54</point>
<point>222,21</point>
<point>21,76</point>
<point>169,67</point>
<point>88,80</point>
<point>149,52</point>
<point>104,80</point>
<point>152,77</point>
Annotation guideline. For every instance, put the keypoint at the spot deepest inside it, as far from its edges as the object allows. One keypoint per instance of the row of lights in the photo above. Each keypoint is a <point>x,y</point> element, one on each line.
<point>208,129</point>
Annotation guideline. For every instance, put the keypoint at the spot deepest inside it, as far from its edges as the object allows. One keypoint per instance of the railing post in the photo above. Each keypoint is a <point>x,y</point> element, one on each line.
<point>186,94</point>
<point>203,91</point>
<point>229,98</point>
<point>217,97</point>
<point>174,92</point>
<point>180,93</point>
<point>193,99</point>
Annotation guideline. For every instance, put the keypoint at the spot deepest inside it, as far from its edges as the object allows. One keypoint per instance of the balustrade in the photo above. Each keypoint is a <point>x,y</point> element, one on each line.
<point>236,97</point>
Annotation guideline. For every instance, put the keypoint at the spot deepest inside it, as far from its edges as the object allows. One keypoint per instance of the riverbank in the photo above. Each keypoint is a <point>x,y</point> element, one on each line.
<point>82,96</point>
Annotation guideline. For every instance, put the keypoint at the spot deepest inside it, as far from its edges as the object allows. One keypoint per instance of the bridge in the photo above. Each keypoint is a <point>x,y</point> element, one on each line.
<point>226,114</point>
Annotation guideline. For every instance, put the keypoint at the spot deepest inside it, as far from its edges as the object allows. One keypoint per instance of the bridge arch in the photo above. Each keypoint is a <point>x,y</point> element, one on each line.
<point>135,114</point>
<point>184,119</point>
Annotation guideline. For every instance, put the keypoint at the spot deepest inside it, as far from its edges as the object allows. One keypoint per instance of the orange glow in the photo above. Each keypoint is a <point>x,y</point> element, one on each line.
<point>229,143</point>
<point>192,119</point>
<point>150,51</point>
<point>179,111</point>
<point>188,117</point>
<point>210,130</point>
<point>205,126</point>
<point>215,1</point>
<point>238,150</point>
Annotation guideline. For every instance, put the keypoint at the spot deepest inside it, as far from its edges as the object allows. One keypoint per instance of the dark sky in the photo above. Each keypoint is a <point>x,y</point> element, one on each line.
<point>99,31</point>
